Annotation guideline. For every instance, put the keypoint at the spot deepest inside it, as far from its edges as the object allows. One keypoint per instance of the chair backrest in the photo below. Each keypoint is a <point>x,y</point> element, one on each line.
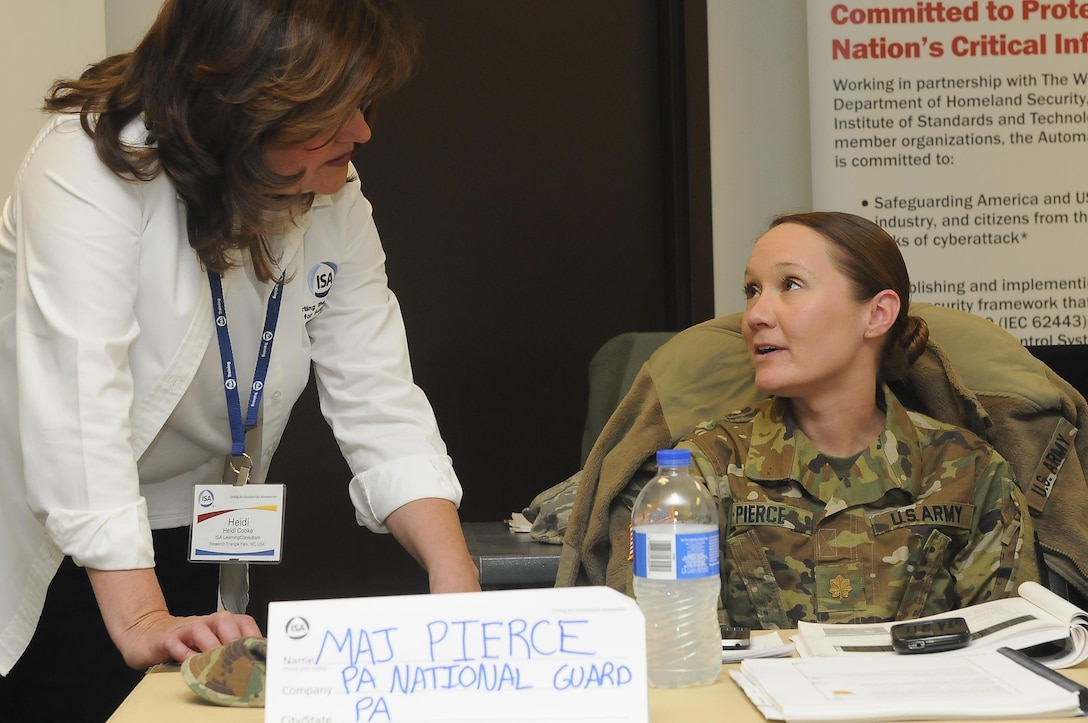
<point>1068,361</point>
<point>611,371</point>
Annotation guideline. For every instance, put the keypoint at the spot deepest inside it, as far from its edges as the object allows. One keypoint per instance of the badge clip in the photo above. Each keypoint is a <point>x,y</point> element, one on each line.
<point>241,464</point>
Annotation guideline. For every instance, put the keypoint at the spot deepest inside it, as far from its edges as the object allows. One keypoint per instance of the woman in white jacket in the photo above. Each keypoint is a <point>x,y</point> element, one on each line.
<point>209,166</point>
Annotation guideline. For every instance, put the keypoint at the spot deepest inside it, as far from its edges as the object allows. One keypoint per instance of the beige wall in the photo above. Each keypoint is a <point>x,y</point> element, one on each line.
<point>39,42</point>
<point>127,21</point>
<point>759,128</point>
<point>43,40</point>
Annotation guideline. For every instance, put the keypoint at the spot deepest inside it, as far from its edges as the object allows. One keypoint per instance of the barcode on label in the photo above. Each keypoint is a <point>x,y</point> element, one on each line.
<point>659,555</point>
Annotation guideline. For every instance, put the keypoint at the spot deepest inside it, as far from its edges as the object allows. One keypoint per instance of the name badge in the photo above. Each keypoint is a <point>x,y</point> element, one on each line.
<point>771,514</point>
<point>237,523</point>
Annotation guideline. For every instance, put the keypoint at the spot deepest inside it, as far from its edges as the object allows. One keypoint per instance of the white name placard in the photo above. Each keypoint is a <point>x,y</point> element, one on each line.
<point>557,654</point>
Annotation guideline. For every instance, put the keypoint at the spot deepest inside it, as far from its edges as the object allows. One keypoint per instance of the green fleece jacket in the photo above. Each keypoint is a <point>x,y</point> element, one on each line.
<point>973,374</point>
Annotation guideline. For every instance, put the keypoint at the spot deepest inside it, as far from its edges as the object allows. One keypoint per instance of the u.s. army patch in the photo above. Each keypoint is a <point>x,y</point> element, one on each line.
<point>1042,482</point>
<point>954,514</point>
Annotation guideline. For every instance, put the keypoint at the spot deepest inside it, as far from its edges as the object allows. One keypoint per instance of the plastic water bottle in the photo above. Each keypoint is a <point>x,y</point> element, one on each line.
<point>675,543</point>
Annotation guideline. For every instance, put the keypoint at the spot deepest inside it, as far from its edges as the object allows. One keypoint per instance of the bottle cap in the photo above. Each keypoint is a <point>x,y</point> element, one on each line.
<point>673,458</point>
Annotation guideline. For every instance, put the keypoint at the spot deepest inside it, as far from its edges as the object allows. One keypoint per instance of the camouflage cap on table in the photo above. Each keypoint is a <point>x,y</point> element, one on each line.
<point>232,674</point>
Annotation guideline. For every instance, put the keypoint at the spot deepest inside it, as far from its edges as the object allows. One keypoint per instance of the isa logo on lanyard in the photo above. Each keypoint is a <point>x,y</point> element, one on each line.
<point>319,281</point>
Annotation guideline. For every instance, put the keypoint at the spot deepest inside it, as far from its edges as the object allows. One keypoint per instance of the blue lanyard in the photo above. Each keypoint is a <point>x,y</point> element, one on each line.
<point>238,428</point>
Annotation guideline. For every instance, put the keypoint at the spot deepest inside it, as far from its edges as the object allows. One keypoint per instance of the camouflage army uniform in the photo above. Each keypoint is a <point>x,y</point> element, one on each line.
<point>926,520</point>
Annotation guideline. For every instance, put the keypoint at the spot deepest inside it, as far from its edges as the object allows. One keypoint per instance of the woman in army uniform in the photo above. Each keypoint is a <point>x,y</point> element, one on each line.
<point>839,504</point>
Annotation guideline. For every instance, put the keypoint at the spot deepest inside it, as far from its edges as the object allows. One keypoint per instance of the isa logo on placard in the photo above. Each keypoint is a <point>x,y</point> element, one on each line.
<point>321,277</point>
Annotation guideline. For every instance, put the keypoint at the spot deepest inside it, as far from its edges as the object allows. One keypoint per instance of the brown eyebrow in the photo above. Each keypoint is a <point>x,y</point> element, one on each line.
<point>781,267</point>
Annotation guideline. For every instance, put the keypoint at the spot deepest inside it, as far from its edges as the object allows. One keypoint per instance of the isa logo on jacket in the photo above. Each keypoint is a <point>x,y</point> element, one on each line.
<point>319,281</point>
<point>320,278</point>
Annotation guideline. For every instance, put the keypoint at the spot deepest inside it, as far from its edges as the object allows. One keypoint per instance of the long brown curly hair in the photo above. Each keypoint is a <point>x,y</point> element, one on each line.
<point>215,81</point>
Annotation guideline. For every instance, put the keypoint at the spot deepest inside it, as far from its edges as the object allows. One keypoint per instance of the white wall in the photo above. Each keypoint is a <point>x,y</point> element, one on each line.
<point>759,128</point>
<point>40,41</point>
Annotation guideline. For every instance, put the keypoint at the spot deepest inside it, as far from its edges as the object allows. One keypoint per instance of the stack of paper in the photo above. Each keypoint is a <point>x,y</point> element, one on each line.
<point>767,644</point>
<point>851,672</point>
<point>985,685</point>
<point>519,523</point>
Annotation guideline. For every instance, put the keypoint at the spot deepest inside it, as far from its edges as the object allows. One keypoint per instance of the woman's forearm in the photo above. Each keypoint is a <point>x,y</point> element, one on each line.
<point>430,530</point>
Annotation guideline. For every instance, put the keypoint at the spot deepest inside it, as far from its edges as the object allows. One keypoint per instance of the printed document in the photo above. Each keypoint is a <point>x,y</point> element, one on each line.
<point>983,685</point>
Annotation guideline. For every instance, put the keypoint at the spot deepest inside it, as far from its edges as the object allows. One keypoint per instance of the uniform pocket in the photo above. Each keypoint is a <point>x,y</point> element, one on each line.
<point>757,587</point>
<point>924,568</point>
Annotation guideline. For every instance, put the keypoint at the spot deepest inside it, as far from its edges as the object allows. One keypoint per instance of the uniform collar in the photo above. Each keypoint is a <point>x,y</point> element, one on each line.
<point>780,452</point>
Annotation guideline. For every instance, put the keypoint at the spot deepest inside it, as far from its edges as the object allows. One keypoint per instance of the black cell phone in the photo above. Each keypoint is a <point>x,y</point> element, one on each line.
<point>735,638</point>
<point>930,636</point>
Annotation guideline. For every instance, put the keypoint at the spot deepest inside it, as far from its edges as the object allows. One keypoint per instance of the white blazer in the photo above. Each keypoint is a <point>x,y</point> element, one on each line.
<point>105,314</point>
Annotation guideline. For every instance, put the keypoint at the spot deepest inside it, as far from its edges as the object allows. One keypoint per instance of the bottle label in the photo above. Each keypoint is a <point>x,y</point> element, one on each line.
<point>667,555</point>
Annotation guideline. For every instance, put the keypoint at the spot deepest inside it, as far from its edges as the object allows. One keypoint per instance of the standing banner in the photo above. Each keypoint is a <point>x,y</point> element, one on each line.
<point>962,129</point>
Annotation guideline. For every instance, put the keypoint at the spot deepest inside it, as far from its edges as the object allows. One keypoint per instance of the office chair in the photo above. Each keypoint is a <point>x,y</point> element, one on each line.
<point>611,371</point>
